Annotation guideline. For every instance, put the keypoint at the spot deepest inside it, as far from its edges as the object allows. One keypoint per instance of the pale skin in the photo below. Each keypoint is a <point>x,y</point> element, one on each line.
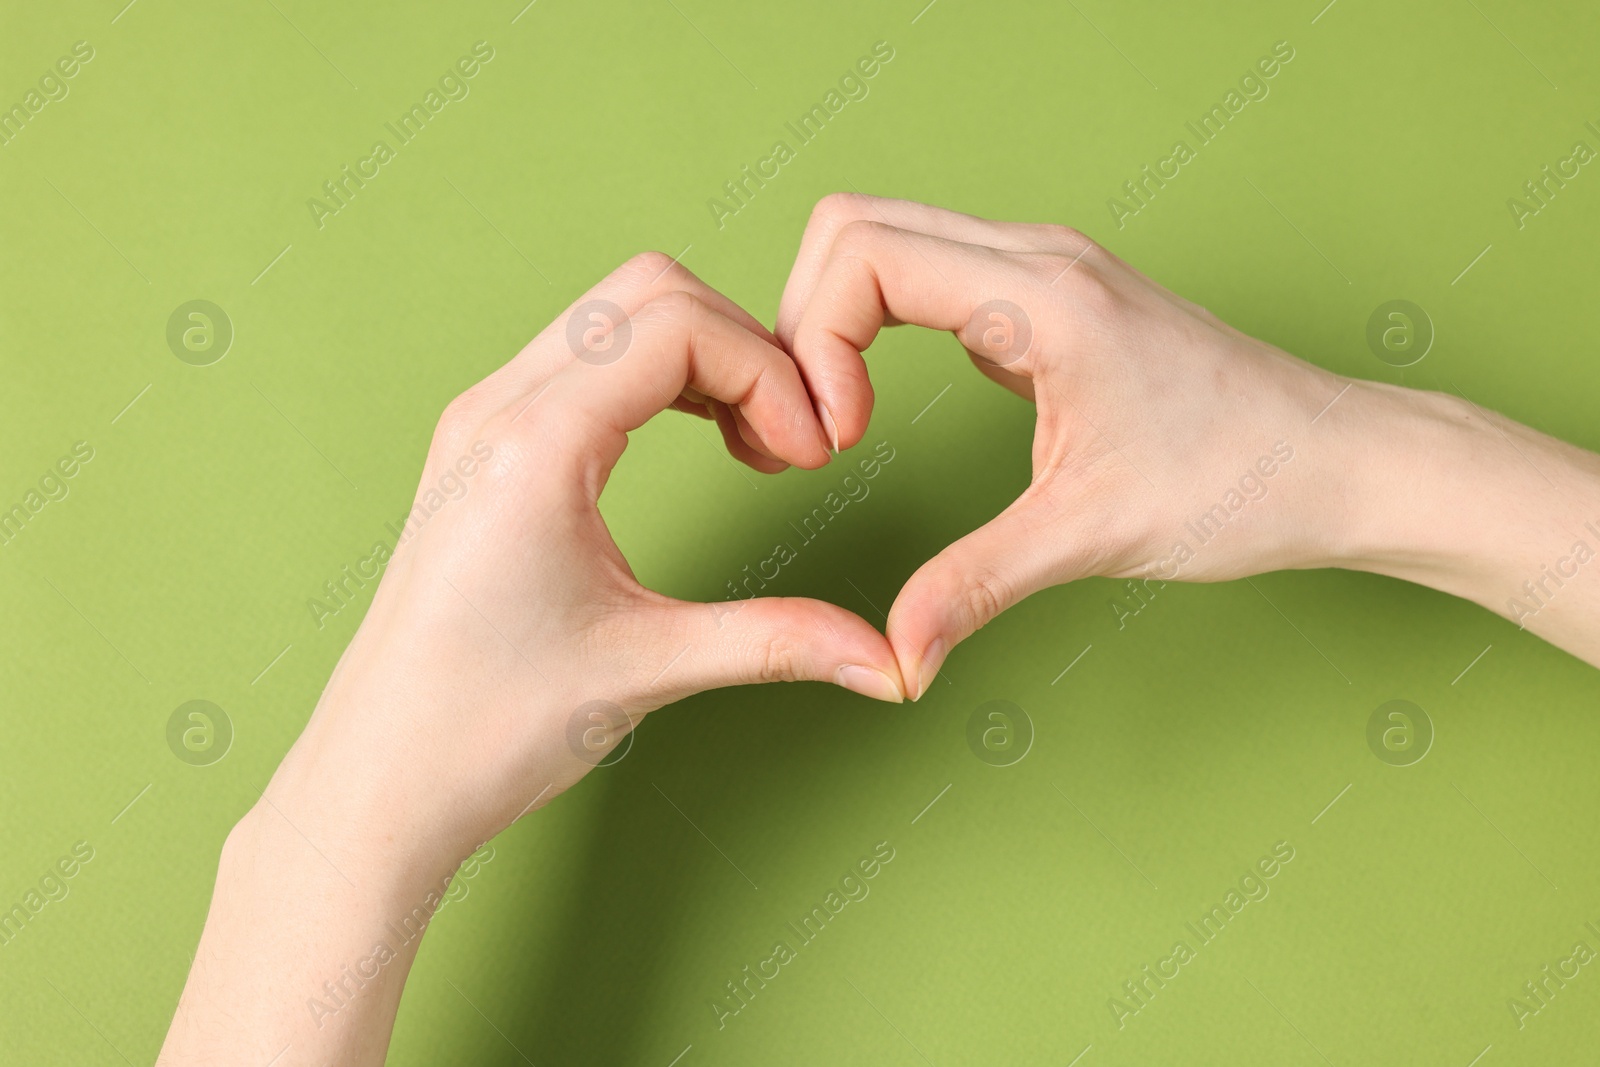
<point>468,697</point>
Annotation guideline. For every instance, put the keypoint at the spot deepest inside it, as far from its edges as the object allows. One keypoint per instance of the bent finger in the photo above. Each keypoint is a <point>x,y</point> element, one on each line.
<point>875,272</point>
<point>675,342</point>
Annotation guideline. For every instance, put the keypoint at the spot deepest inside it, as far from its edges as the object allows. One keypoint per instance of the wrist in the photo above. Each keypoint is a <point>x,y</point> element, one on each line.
<point>307,946</point>
<point>351,784</point>
<point>314,874</point>
<point>1440,492</point>
<point>352,819</point>
<point>1397,455</point>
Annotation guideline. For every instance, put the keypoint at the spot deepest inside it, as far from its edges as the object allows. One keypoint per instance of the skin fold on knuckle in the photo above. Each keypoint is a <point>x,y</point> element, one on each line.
<point>456,421</point>
<point>838,209</point>
<point>778,658</point>
<point>645,268</point>
<point>986,595</point>
<point>1065,238</point>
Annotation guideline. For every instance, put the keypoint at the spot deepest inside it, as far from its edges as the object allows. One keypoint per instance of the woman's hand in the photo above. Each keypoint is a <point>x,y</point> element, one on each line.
<point>509,616</point>
<point>1170,445</point>
<point>507,649</point>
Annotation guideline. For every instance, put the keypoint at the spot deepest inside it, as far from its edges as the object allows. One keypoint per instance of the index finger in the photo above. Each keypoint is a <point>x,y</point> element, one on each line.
<point>837,210</point>
<point>876,273</point>
<point>676,341</point>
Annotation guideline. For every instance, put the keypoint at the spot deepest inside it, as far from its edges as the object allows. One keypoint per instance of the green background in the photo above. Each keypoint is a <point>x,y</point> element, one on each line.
<point>1175,752</point>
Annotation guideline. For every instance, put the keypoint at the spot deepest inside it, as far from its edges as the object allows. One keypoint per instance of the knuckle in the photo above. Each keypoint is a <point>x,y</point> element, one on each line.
<point>857,235</point>
<point>513,459</point>
<point>674,308</point>
<point>839,208</point>
<point>1083,283</point>
<point>456,419</point>
<point>1066,237</point>
<point>779,659</point>
<point>646,267</point>
<point>1094,293</point>
<point>1048,267</point>
<point>987,595</point>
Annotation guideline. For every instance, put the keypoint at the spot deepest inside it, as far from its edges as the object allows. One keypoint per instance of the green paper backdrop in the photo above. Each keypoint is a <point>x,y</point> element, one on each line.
<point>1171,750</point>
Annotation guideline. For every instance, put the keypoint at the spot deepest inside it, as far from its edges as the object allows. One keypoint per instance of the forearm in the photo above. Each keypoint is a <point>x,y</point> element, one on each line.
<point>306,947</point>
<point>1448,495</point>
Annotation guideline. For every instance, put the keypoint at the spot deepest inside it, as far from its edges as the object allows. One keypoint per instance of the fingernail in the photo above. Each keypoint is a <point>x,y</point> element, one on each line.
<point>932,660</point>
<point>828,427</point>
<point>869,683</point>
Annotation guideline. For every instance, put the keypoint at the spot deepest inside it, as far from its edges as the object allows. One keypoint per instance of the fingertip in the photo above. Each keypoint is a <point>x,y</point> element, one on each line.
<point>835,375</point>
<point>830,429</point>
<point>738,447</point>
<point>763,464</point>
<point>870,682</point>
<point>918,638</point>
<point>919,660</point>
<point>843,415</point>
<point>802,442</point>
<point>927,666</point>
<point>854,413</point>
<point>814,463</point>
<point>820,451</point>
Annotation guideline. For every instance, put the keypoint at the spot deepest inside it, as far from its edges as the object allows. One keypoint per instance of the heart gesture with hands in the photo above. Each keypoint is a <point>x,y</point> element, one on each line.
<point>508,630</point>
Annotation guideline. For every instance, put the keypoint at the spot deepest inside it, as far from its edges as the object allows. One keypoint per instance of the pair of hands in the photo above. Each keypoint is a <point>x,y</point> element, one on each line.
<point>509,619</point>
<point>509,646</point>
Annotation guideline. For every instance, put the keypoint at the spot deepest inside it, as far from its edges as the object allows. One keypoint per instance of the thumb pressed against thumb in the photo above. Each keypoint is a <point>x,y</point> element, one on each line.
<point>962,589</point>
<point>779,639</point>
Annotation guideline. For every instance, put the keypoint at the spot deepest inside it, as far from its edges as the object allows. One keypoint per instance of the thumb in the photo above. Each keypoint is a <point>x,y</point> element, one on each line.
<point>968,584</point>
<point>776,639</point>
